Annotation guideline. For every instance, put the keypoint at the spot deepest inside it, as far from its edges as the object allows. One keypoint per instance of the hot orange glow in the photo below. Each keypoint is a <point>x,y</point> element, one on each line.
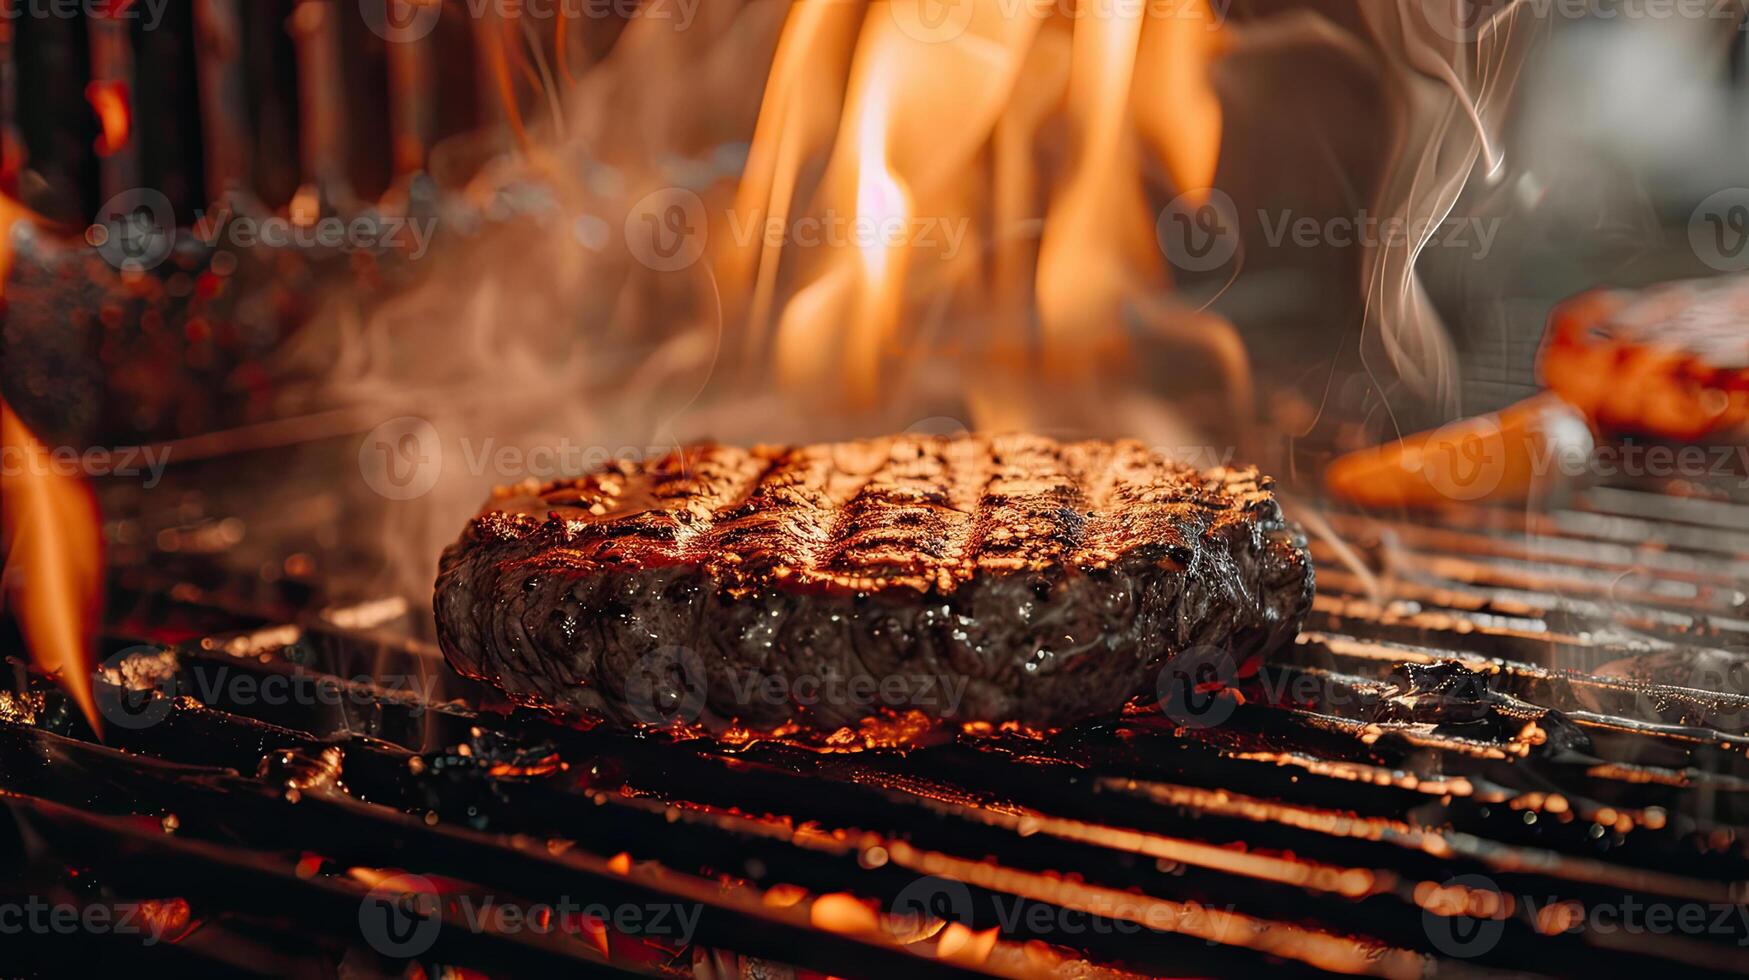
<point>305,206</point>
<point>114,115</point>
<point>594,932</point>
<point>782,895</point>
<point>960,944</point>
<point>931,129</point>
<point>50,538</point>
<point>838,912</point>
<point>11,212</point>
<point>1176,108</point>
<point>53,560</point>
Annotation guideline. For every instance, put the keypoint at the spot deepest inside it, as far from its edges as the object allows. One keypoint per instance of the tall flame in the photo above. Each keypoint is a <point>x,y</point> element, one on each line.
<point>937,136</point>
<point>1091,256</point>
<point>49,532</point>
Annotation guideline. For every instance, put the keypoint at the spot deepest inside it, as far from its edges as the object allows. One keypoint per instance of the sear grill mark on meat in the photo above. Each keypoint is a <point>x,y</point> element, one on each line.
<point>972,578</point>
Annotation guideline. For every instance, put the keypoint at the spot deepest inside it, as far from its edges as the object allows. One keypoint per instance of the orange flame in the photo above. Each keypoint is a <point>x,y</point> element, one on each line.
<point>931,127</point>
<point>114,113</point>
<point>1089,255</point>
<point>49,531</point>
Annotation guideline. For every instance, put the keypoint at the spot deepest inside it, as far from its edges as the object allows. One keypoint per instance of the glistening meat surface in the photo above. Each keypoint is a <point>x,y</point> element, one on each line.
<point>972,578</point>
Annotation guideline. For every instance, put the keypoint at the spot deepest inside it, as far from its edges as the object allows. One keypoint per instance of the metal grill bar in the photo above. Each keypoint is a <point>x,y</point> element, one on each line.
<point>1306,830</point>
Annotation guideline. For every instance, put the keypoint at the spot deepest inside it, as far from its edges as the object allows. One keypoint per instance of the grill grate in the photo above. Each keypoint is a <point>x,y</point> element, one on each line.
<point>1537,734</point>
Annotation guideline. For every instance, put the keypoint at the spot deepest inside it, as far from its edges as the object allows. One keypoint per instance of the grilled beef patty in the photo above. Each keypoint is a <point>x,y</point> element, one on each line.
<point>973,578</point>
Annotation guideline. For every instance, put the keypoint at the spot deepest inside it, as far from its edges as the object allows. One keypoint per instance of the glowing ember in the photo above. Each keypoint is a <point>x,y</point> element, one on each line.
<point>961,945</point>
<point>169,917</point>
<point>594,932</point>
<point>545,766</point>
<point>838,912</point>
<point>114,114</point>
<point>783,895</point>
